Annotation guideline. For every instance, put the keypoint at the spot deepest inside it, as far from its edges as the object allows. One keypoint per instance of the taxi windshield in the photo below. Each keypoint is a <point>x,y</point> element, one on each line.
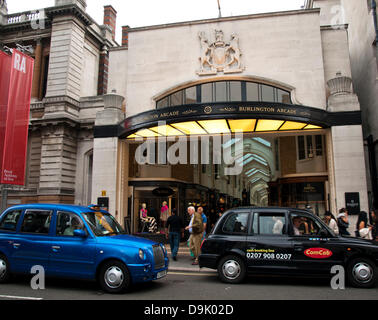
<point>103,224</point>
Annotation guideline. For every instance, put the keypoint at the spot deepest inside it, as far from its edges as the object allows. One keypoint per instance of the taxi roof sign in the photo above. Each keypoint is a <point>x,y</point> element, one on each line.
<point>94,207</point>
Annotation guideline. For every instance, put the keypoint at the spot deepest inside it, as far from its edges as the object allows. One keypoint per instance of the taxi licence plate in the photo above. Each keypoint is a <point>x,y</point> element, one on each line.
<point>161,274</point>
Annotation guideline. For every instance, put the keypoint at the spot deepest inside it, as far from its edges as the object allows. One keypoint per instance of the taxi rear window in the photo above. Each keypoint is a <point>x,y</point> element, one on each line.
<point>236,223</point>
<point>269,223</point>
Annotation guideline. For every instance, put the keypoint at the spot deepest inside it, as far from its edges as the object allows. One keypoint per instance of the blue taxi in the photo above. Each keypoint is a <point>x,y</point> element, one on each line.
<point>79,243</point>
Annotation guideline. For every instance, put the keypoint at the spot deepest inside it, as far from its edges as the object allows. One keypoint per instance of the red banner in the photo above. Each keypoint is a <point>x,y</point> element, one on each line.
<point>17,120</point>
<point>5,68</point>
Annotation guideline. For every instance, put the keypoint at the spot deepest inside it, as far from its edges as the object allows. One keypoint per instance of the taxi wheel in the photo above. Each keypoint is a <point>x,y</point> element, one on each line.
<point>232,269</point>
<point>362,273</point>
<point>4,269</point>
<point>114,277</point>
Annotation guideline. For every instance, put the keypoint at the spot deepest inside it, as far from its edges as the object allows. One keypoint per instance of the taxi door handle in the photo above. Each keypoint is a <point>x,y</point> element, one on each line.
<point>16,245</point>
<point>55,248</point>
<point>298,248</point>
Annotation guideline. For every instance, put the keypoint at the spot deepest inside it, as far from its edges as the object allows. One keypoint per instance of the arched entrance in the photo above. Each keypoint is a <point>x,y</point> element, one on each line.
<point>270,137</point>
<point>284,152</point>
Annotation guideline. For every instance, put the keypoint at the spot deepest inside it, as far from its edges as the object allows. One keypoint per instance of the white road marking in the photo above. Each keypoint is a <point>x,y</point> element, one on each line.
<point>19,298</point>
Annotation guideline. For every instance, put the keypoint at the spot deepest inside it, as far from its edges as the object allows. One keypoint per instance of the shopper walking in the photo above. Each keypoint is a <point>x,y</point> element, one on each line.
<point>164,215</point>
<point>331,222</point>
<point>204,221</point>
<point>174,231</point>
<point>363,229</point>
<point>343,222</point>
<point>373,222</point>
<point>195,229</point>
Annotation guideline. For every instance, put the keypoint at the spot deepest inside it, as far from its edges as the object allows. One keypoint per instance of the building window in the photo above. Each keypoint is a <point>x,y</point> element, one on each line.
<point>207,92</point>
<point>177,98</point>
<point>310,147</point>
<point>225,91</point>
<point>301,148</point>
<point>221,92</point>
<point>235,90</point>
<point>319,145</point>
<point>191,95</point>
<point>252,91</point>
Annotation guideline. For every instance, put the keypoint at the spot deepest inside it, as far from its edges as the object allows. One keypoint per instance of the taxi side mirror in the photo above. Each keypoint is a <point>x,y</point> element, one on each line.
<point>80,233</point>
<point>324,233</point>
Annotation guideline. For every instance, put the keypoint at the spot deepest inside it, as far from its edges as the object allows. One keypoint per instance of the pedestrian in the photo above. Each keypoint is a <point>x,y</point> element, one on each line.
<point>373,222</point>
<point>363,229</point>
<point>174,231</point>
<point>343,222</point>
<point>195,229</point>
<point>204,219</point>
<point>331,222</point>
<point>164,215</point>
<point>213,218</point>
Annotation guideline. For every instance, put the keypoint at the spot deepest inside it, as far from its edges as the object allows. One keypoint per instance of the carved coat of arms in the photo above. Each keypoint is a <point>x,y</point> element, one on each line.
<point>220,56</point>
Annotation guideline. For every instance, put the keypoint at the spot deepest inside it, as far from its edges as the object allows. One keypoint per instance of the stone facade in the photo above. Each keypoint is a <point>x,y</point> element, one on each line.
<point>311,61</point>
<point>86,85</point>
<point>363,40</point>
<point>67,51</point>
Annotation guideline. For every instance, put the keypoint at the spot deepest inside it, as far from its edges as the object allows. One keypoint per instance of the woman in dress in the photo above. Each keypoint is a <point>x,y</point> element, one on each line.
<point>164,215</point>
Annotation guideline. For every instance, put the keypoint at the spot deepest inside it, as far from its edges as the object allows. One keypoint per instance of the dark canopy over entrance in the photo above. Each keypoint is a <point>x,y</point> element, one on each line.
<point>283,117</point>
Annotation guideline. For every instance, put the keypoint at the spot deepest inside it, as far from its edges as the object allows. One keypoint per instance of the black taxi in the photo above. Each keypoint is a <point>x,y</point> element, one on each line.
<point>285,241</point>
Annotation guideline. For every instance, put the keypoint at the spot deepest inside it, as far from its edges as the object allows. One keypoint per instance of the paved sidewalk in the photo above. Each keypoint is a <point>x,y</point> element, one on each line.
<point>184,261</point>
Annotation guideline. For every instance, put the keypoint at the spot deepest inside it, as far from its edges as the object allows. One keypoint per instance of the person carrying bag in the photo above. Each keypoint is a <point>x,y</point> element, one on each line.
<point>363,229</point>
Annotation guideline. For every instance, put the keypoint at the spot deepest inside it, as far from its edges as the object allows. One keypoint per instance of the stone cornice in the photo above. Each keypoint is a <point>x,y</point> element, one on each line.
<point>226,19</point>
<point>69,10</point>
<point>62,99</point>
<point>49,14</point>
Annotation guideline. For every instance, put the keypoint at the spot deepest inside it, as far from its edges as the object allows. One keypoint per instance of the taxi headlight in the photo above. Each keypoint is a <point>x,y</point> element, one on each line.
<point>164,249</point>
<point>141,254</point>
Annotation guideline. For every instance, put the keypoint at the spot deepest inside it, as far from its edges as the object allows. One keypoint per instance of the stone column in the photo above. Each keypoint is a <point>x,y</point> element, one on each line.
<point>107,155</point>
<point>66,58</point>
<point>349,164</point>
<point>37,71</point>
<point>102,86</point>
<point>58,164</point>
<point>3,12</point>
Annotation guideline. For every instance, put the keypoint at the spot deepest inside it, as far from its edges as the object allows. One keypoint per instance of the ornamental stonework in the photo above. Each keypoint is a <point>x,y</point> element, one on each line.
<point>220,55</point>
